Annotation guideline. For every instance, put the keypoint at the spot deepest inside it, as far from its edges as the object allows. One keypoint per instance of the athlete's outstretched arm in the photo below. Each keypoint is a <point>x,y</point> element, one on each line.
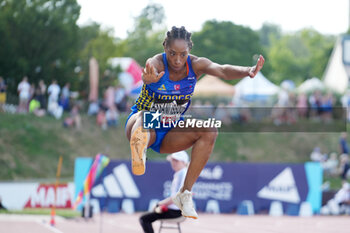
<point>205,66</point>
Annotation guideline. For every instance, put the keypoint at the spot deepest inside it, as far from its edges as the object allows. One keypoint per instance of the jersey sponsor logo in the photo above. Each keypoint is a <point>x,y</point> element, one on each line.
<point>282,188</point>
<point>162,88</point>
<point>171,97</point>
<point>117,184</point>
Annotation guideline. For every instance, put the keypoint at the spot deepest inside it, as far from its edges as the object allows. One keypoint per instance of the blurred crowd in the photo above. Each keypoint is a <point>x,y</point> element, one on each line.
<point>109,109</point>
<point>41,100</point>
<point>54,100</point>
<point>289,108</point>
<point>332,164</point>
<point>335,166</point>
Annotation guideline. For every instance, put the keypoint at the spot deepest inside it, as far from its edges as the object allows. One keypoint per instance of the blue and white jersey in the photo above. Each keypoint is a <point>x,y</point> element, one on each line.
<point>166,96</point>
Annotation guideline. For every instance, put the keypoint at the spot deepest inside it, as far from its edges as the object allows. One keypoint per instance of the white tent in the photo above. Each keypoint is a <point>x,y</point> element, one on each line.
<point>213,86</point>
<point>335,76</point>
<point>311,85</point>
<point>255,89</point>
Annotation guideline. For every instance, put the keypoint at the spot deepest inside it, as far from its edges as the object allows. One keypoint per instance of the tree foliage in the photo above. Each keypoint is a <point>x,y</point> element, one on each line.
<point>299,56</point>
<point>39,39</point>
<point>269,33</point>
<point>146,38</point>
<point>226,43</point>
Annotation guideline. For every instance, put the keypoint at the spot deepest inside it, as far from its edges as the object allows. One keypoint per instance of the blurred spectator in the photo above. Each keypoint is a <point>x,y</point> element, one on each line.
<point>40,94</point>
<point>279,110</point>
<point>344,166</point>
<point>315,104</point>
<point>330,166</point>
<point>53,108</point>
<point>42,87</point>
<point>291,114</point>
<point>24,95</point>
<point>65,95</point>
<point>340,203</point>
<point>327,107</point>
<point>112,116</point>
<point>31,94</point>
<point>53,91</point>
<point>342,198</point>
<point>3,88</point>
<point>166,209</point>
<point>283,99</point>
<point>74,119</point>
<point>120,98</point>
<point>316,155</point>
<point>108,100</point>
<point>343,145</point>
<point>93,108</point>
<point>35,105</point>
<point>302,105</point>
<point>345,100</point>
<point>101,118</point>
<point>31,91</point>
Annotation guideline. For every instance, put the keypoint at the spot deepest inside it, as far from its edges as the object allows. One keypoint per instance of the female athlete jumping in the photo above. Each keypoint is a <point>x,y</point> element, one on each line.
<point>169,81</point>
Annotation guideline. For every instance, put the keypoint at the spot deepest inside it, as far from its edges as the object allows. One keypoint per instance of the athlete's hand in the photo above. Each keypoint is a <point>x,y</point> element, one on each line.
<point>255,69</point>
<point>150,75</point>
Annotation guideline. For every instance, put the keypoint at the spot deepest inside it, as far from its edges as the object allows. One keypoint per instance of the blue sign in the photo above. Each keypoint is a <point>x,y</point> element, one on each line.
<point>227,184</point>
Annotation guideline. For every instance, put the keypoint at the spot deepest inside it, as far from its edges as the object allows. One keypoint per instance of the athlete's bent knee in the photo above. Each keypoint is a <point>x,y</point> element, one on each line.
<point>210,134</point>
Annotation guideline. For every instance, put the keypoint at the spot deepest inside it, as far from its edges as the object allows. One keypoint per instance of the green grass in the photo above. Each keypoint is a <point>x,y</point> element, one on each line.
<point>66,213</point>
<point>30,146</point>
<point>335,182</point>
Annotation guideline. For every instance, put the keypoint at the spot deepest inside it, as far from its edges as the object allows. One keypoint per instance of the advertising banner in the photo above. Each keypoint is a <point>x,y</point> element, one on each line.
<point>225,185</point>
<point>16,196</point>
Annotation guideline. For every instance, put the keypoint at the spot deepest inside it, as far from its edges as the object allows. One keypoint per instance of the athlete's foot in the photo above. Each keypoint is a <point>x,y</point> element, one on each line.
<point>138,144</point>
<point>183,200</point>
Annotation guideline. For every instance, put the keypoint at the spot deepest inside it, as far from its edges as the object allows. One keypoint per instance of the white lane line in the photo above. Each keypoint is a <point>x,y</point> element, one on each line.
<point>49,227</point>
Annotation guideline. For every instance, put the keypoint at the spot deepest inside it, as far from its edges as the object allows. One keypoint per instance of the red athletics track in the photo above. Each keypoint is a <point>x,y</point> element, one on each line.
<point>207,223</point>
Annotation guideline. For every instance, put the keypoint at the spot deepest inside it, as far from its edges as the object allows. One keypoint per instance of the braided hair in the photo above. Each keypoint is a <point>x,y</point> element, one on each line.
<point>178,33</point>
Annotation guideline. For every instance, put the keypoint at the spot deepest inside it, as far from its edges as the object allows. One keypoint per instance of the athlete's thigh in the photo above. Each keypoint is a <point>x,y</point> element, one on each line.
<point>178,139</point>
<point>136,120</point>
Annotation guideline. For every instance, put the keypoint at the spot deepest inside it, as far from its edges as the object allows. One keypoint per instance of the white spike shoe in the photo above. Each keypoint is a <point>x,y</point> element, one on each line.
<point>184,202</point>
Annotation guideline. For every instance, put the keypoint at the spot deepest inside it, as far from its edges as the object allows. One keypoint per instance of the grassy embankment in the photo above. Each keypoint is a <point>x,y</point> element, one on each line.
<point>30,146</point>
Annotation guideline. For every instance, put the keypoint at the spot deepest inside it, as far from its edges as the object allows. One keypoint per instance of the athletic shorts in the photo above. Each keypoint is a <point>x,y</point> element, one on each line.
<point>160,133</point>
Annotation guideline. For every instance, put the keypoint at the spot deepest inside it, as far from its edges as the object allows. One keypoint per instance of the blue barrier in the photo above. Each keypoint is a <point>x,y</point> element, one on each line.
<point>292,210</point>
<point>113,206</point>
<point>228,184</point>
<point>246,208</point>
